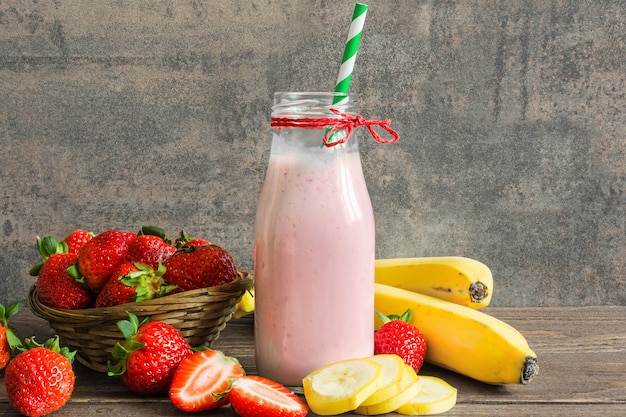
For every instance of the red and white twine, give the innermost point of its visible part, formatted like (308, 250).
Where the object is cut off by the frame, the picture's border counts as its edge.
(344, 122)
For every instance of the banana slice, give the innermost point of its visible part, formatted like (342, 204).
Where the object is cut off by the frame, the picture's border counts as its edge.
(395, 379)
(342, 386)
(393, 403)
(436, 396)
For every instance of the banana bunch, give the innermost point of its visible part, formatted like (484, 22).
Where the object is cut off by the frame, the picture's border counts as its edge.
(440, 294)
(460, 280)
(445, 295)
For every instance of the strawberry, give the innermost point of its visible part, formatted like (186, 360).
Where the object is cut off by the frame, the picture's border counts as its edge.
(193, 267)
(256, 396)
(5, 347)
(203, 379)
(149, 356)
(76, 239)
(397, 335)
(196, 242)
(40, 380)
(133, 282)
(150, 247)
(47, 247)
(8, 340)
(57, 288)
(101, 256)
(185, 240)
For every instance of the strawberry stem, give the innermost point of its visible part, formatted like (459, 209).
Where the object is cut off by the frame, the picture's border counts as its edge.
(152, 231)
(147, 282)
(47, 247)
(52, 344)
(5, 313)
(182, 239)
(406, 316)
(120, 351)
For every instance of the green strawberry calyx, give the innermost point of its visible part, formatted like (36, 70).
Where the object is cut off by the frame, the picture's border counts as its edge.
(52, 344)
(147, 282)
(191, 249)
(47, 247)
(406, 316)
(121, 351)
(182, 239)
(5, 313)
(154, 231)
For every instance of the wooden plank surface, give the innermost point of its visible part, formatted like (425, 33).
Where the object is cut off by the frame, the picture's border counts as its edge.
(581, 351)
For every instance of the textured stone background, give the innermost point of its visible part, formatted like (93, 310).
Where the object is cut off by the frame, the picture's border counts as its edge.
(511, 115)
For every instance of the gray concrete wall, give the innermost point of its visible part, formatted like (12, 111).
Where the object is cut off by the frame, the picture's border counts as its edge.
(115, 114)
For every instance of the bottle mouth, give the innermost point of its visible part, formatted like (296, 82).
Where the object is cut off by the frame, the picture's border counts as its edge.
(311, 104)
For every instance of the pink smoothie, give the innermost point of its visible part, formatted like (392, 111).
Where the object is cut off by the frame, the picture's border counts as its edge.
(314, 266)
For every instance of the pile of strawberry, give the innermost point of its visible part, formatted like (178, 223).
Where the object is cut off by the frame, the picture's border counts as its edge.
(156, 359)
(118, 267)
(153, 359)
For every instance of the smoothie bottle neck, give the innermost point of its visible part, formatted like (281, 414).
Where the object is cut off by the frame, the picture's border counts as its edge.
(309, 111)
(312, 104)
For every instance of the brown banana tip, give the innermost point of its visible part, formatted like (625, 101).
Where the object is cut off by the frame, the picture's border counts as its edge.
(530, 369)
(478, 291)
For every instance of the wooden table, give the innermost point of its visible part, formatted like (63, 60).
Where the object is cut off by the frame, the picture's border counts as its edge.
(581, 351)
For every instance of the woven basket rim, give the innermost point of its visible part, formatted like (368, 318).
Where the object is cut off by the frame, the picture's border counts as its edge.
(243, 282)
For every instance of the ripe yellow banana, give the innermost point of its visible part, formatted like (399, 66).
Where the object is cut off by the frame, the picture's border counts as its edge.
(245, 306)
(460, 280)
(461, 339)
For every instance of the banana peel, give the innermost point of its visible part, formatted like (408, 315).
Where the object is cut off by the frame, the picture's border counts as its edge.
(245, 306)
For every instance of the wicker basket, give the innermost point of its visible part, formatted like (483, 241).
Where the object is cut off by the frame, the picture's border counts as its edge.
(200, 315)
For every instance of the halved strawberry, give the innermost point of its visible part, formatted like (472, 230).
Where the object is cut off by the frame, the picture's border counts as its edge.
(256, 396)
(203, 379)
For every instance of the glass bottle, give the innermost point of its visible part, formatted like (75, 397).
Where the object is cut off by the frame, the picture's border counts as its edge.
(314, 246)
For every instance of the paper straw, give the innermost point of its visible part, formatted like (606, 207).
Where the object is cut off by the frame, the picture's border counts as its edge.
(349, 53)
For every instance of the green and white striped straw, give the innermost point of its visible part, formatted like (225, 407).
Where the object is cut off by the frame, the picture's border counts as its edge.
(349, 53)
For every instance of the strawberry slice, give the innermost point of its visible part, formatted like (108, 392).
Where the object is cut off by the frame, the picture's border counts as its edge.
(203, 379)
(256, 396)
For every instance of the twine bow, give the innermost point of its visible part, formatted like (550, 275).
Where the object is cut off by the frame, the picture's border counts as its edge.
(344, 122)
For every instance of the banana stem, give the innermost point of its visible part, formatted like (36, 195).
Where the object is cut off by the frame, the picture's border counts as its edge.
(529, 370)
(478, 291)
